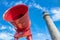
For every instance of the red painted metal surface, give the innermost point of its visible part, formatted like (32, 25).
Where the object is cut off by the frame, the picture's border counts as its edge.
(18, 16)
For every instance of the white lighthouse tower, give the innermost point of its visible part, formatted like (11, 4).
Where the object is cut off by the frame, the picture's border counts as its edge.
(55, 35)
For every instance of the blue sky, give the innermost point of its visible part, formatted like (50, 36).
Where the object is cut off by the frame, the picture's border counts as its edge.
(38, 25)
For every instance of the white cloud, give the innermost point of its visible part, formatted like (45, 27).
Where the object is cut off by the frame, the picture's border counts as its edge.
(20, 2)
(12, 29)
(5, 36)
(7, 29)
(38, 36)
(7, 4)
(41, 36)
(37, 6)
(9, 36)
(11, 4)
(2, 27)
(56, 12)
(31, 3)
